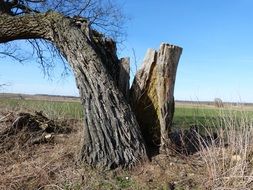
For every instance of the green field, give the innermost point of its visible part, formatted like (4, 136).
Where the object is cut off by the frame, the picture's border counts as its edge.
(185, 115)
(53, 109)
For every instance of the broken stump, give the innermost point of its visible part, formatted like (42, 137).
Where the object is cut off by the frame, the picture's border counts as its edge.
(152, 94)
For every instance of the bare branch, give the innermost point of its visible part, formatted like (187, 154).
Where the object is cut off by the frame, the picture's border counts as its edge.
(12, 51)
(85, 7)
(104, 16)
(135, 60)
(21, 9)
(11, 56)
(40, 47)
(16, 7)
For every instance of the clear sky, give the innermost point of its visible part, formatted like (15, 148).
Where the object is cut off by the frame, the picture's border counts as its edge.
(217, 41)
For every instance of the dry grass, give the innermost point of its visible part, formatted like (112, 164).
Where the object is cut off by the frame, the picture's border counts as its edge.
(226, 163)
(229, 159)
(38, 166)
(54, 165)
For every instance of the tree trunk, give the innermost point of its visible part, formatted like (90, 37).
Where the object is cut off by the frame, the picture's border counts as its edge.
(152, 94)
(111, 132)
(124, 76)
(167, 61)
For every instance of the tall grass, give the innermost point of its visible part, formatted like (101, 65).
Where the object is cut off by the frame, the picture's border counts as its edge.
(229, 159)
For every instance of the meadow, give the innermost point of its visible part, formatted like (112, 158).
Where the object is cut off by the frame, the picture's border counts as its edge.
(185, 114)
(224, 163)
(53, 109)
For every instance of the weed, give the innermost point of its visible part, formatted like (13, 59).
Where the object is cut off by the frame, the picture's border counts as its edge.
(228, 161)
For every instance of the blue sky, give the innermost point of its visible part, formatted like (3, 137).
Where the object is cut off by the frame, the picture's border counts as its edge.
(217, 41)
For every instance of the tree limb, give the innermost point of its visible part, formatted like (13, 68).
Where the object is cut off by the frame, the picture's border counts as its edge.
(35, 26)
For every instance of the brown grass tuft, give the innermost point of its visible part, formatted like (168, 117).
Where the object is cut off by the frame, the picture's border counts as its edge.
(228, 161)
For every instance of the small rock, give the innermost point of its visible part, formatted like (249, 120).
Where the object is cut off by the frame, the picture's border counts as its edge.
(48, 136)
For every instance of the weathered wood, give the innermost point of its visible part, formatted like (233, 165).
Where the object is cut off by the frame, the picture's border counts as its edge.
(124, 76)
(111, 135)
(144, 100)
(167, 62)
(152, 94)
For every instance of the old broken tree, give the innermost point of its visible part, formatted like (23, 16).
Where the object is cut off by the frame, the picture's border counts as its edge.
(111, 136)
(152, 94)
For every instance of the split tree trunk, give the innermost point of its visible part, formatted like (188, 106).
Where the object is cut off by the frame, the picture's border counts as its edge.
(111, 132)
(111, 136)
(152, 94)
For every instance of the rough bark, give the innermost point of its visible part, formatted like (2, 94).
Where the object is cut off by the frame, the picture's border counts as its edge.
(119, 69)
(152, 94)
(111, 133)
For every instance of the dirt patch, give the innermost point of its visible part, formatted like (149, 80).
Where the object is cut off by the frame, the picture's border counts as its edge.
(37, 152)
(26, 129)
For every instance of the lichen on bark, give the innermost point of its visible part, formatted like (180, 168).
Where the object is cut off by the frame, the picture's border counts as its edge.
(152, 94)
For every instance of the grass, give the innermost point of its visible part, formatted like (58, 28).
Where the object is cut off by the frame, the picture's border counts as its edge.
(224, 164)
(187, 116)
(184, 116)
(206, 116)
(54, 109)
(229, 160)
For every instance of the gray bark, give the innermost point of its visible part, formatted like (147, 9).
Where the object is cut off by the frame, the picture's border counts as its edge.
(111, 132)
(143, 99)
(167, 62)
(124, 76)
(152, 94)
